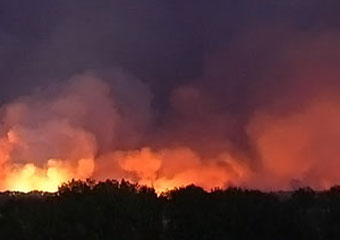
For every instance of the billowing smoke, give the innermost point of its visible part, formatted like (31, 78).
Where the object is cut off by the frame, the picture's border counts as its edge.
(82, 129)
(221, 94)
(57, 133)
(300, 148)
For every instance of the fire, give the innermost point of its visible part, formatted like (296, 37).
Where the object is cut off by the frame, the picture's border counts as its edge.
(26, 176)
(167, 169)
(145, 166)
(48, 140)
(30, 177)
(164, 169)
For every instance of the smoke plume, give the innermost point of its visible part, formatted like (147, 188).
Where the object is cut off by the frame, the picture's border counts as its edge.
(226, 93)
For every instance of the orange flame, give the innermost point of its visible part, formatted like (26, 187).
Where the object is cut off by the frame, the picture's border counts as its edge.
(43, 144)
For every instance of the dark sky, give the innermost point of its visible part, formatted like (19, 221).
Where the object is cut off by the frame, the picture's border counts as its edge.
(239, 54)
(164, 43)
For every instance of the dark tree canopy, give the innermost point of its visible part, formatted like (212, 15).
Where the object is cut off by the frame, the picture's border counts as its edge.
(122, 210)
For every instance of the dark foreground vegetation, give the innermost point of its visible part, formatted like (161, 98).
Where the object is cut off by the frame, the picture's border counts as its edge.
(121, 210)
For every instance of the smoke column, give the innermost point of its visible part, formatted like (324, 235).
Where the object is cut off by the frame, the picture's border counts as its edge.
(226, 93)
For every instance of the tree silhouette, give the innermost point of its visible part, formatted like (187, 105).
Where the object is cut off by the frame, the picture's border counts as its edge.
(123, 210)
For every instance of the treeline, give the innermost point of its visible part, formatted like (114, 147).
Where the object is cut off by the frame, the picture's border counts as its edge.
(126, 211)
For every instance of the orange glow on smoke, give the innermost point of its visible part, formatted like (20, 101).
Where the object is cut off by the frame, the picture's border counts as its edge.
(46, 140)
(164, 170)
(301, 146)
(46, 143)
(171, 168)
